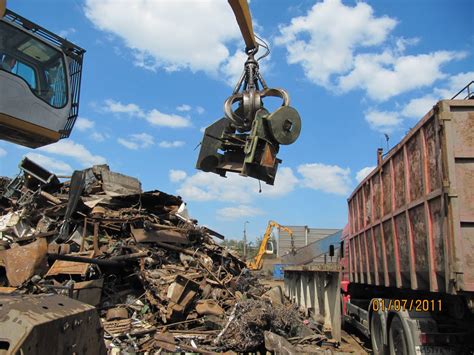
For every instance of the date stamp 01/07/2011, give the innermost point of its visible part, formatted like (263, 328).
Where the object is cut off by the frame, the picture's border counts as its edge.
(418, 305)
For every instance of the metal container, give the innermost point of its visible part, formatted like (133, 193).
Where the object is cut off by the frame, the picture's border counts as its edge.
(411, 221)
(278, 273)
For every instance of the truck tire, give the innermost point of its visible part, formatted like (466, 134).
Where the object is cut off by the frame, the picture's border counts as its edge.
(398, 341)
(376, 334)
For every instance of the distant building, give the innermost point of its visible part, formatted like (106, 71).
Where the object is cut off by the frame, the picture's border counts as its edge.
(302, 236)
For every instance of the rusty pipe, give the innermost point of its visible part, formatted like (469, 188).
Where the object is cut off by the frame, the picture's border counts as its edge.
(132, 256)
(50, 197)
(82, 259)
(113, 261)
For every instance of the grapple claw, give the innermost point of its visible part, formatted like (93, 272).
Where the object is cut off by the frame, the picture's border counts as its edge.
(247, 140)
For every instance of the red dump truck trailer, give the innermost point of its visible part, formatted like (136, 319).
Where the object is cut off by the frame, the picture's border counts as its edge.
(406, 274)
(410, 241)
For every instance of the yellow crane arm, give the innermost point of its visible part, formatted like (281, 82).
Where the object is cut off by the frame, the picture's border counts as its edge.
(244, 19)
(3, 7)
(257, 263)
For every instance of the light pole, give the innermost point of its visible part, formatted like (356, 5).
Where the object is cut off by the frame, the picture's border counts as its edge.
(245, 240)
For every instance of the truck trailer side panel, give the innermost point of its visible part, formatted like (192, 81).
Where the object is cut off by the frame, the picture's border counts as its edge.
(411, 221)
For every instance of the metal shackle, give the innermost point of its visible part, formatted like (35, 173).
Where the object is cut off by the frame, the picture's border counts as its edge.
(251, 103)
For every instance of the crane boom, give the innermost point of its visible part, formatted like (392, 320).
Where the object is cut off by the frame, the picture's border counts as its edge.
(257, 263)
(244, 19)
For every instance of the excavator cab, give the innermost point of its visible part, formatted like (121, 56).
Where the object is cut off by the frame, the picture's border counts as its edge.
(267, 245)
(40, 78)
(269, 249)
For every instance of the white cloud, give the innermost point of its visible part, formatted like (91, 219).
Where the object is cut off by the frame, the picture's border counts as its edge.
(327, 178)
(67, 32)
(177, 175)
(383, 121)
(401, 44)
(69, 148)
(454, 85)
(417, 108)
(362, 173)
(128, 143)
(3, 152)
(154, 116)
(83, 124)
(386, 75)
(197, 42)
(339, 48)
(183, 108)
(136, 141)
(97, 136)
(238, 212)
(118, 107)
(200, 110)
(324, 40)
(158, 118)
(145, 139)
(172, 144)
(233, 68)
(208, 187)
(285, 182)
(202, 129)
(54, 165)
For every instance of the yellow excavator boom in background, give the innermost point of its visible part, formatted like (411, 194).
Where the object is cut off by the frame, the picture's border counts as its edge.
(257, 263)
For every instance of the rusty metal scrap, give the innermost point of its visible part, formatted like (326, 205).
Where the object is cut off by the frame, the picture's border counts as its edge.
(157, 279)
(49, 324)
(22, 262)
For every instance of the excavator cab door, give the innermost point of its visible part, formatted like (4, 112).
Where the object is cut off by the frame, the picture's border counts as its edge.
(40, 75)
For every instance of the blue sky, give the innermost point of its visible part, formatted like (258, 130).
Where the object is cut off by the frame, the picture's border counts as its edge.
(156, 72)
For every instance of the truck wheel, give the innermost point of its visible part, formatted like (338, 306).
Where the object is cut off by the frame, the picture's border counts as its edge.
(397, 338)
(376, 334)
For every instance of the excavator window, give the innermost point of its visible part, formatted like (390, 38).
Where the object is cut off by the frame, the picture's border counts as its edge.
(38, 64)
(269, 247)
(21, 69)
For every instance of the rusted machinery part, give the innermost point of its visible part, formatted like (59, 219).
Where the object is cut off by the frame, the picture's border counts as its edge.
(98, 212)
(251, 101)
(116, 313)
(285, 125)
(26, 319)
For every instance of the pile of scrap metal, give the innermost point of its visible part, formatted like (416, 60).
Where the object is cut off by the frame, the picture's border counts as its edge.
(156, 278)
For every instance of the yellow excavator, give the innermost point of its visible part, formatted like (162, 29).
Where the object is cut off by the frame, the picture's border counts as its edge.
(40, 79)
(257, 263)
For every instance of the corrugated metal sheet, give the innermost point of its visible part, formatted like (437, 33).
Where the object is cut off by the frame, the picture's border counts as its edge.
(315, 234)
(302, 236)
(313, 250)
